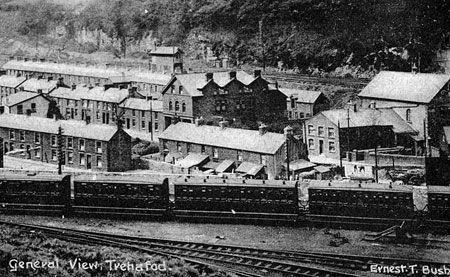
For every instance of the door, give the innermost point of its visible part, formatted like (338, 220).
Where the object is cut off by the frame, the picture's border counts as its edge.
(320, 147)
(88, 161)
(128, 123)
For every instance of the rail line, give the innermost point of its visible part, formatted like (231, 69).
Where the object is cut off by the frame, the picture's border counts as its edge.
(285, 262)
(189, 252)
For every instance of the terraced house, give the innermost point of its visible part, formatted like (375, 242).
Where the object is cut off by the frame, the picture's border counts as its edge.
(85, 146)
(255, 154)
(238, 97)
(9, 85)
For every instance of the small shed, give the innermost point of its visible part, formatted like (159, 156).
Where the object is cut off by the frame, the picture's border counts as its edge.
(323, 173)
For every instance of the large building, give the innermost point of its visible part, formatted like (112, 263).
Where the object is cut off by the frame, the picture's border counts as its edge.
(303, 104)
(85, 146)
(254, 153)
(421, 99)
(330, 134)
(235, 96)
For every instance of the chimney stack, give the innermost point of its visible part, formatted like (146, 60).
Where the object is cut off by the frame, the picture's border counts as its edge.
(257, 73)
(74, 87)
(199, 121)
(50, 78)
(11, 58)
(42, 60)
(262, 129)
(60, 82)
(209, 76)
(26, 59)
(39, 77)
(223, 124)
(373, 105)
(288, 131)
(232, 75)
(39, 91)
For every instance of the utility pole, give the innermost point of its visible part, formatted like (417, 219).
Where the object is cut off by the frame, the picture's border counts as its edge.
(340, 154)
(287, 155)
(376, 163)
(151, 117)
(61, 158)
(348, 128)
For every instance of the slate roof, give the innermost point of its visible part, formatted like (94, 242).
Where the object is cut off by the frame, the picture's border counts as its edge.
(301, 96)
(191, 160)
(369, 117)
(67, 93)
(224, 166)
(142, 104)
(165, 50)
(11, 81)
(47, 125)
(111, 95)
(89, 71)
(35, 84)
(299, 165)
(405, 86)
(249, 168)
(231, 138)
(20, 97)
(194, 83)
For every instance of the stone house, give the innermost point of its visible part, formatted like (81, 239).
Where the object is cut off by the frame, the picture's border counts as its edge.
(30, 103)
(303, 104)
(9, 85)
(166, 59)
(85, 146)
(236, 96)
(255, 153)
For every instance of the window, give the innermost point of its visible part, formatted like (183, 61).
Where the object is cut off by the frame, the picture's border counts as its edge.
(97, 115)
(54, 156)
(239, 156)
(172, 89)
(181, 90)
(408, 115)
(99, 162)
(321, 131)
(22, 135)
(19, 109)
(70, 157)
(156, 116)
(22, 147)
(296, 115)
(133, 122)
(33, 107)
(331, 133)
(82, 159)
(142, 113)
(170, 106)
(178, 147)
(37, 153)
(143, 124)
(302, 115)
(183, 107)
(215, 153)
(290, 114)
(12, 135)
(11, 146)
(263, 159)
(310, 129)
(188, 147)
(98, 146)
(177, 106)
(69, 142)
(331, 146)
(310, 143)
(133, 112)
(37, 138)
(156, 126)
(54, 141)
(203, 149)
(308, 115)
(82, 146)
(292, 103)
(99, 106)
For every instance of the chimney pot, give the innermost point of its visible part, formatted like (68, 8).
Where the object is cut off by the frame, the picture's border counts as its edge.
(199, 121)
(39, 91)
(49, 78)
(257, 73)
(26, 59)
(262, 129)
(288, 131)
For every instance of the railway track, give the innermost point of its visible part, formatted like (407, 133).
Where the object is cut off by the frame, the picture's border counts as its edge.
(294, 263)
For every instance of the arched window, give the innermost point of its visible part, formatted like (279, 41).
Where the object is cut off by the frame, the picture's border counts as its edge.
(408, 115)
(177, 106)
(183, 107)
(170, 106)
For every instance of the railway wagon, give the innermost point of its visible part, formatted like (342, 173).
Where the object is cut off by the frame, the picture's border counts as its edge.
(219, 199)
(439, 203)
(40, 194)
(128, 196)
(361, 200)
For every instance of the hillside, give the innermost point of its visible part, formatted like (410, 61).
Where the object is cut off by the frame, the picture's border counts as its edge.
(344, 36)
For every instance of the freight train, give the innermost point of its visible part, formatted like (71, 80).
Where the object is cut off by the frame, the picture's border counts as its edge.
(216, 198)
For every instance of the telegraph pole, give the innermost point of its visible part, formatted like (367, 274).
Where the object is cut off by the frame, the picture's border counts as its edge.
(61, 161)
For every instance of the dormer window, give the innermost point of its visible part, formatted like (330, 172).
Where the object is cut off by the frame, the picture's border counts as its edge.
(180, 91)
